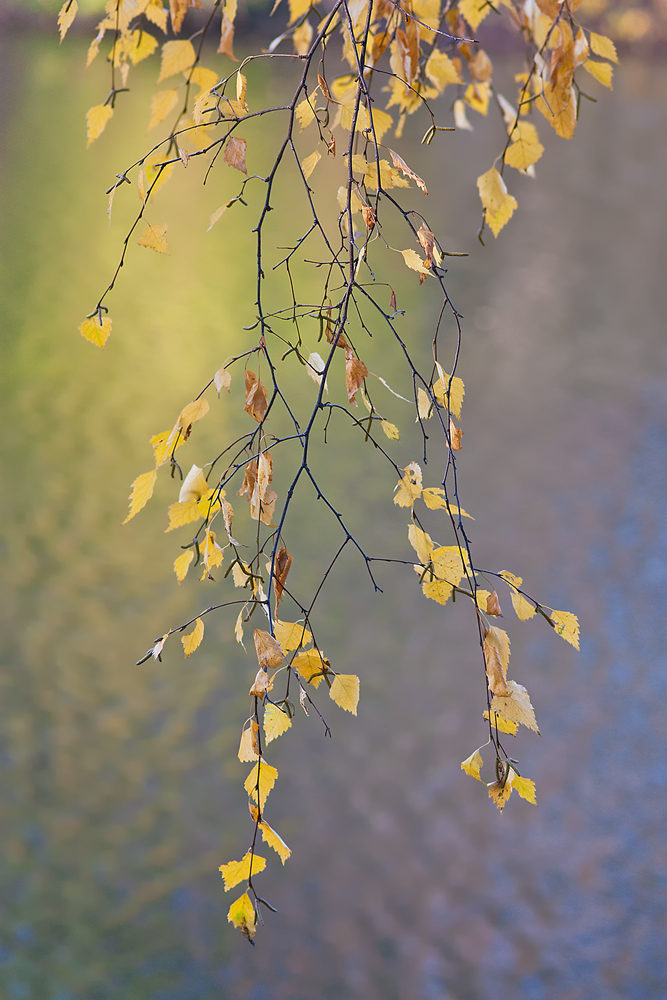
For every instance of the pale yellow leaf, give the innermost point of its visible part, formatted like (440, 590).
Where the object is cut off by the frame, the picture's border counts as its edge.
(96, 120)
(155, 238)
(194, 638)
(410, 486)
(449, 390)
(291, 635)
(302, 37)
(450, 563)
(601, 71)
(235, 153)
(304, 112)
(567, 625)
(142, 491)
(183, 513)
(477, 96)
(204, 78)
(382, 122)
(435, 498)
(525, 787)
(311, 665)
(242, 915)
(424, 405)
(176, 57)
(182, 564)
(194, 486)
(222, 380)
(391, 430)
(440, 70)
(156, 13)
(297, 8)
(499, 205)
(345, 692)
(270, 837)
(474, 11)
(500, 792)
(502, 725)
(249, 745)
(526, 147)
(522, 606)
(603, 46)
(309, 163)
(94, 331)
(499, 640)
(238, 628)
(414, 261)
(437, 590)
(421, 542)
(162, 103)
(192, 413)
(517, 707)
(473, 765)
(67, 14)
(141, 45)
(276, 722)
(460, 117)
(260, 781)
(239, 871)
(482, 598)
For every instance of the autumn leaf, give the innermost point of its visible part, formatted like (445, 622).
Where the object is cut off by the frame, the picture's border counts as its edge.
(516, 707)
(156, 13)
(261, 684)
(281, 569)
(435, 498)
(309, 163)
(603, 46)
(94, 331)
(311, 665)
(523, 608)
(440, 70)
(344, 691)
(493, 605)
(270, 837)
(414, 261)
(276, 722)
(96, 120)
(249, 745)
(355, 373)
(68, 12)
(437, 590)
(473, 765)
(155, 238)
(421, 542)
(194, 638)
(455, 436)
(304, 113)
(500, 792)
(500, 641)
(600, 71)
(269, 653)
(260, 781)
(477, 96)
(176, 57)
(181, 514)
(494, 670)
(410, 487)
(474, 11)
(460, 117)
(502, 725)
(391, 430)
(182, 564)
(291, 635)
(450, 563)
(222, 380)
(525, 788)
(526, 147)
(239, 871)
(256, 402)
(401, 165)
(242, 915)
(449, 389)
(161, 105)
(498, 204)
(234, 155)
(142, 491)
(192, 414)
(567, 626)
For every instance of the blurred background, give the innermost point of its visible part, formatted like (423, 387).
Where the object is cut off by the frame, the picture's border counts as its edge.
(121, 791)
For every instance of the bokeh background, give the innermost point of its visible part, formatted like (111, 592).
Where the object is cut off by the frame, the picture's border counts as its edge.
(121, 791)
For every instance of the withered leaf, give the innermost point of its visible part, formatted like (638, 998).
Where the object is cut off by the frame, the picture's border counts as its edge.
(234, 154)
(269, 651)
(256, 401)
(355, 373)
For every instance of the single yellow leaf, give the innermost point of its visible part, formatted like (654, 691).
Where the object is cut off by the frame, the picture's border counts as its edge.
(260, 781)
(516, 707)
(276, 722)
(525, 787)
(164, 444)
(460, 116)
(435, 498)
(182, 564)
(502, 725)
(311, 665)
(194, 638)
(441, 71)
(156, 13)
(477, 96)
(499, 219)
(239, 871)
(194, 486)
(450, 390)
(421, 542)
(500, 641)
(304, 112)
(176, 57)
(382, 122)
(526, 147)
(437, 590)
(249, 745)
(522, 606)
(96, 120)
(424, 405)
(270, 837)
(155, 238)
(450, 563)
(142, 491)
(601, 71)
(414, 261)
(500, 792)
(482, 598)
(94, 331)
(603, 46)
(141, 45)
(291, 635)
(499, 205)
(391, 430)
(238, 628)
(153, 175)
(560, 109)
(473, 765)
(344, 691)
(192, 413)
(222, 380)
(567, 625)
(204, 78)
(67, 14)
(410, 486)
(309, 164)
(242, 916)
(183, 513)
(474, 11)
(162, 103)
(297, 8)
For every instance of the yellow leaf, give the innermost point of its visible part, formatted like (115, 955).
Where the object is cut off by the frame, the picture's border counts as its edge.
(500, 792)
(391, 430)
(194, 638)
(502, 725)
(141, 45)
(238, 628)
(450, 563)
(526, 147)
(291, 635)
(155, 238)
(309, 164)
(516, 707)
(304, 112)
(452, 390)
(410, 486)
(474, 11)
(424, 405)
(525, 787)
(482, 598)
(176, 57)
(204, 78)
(401, 165)
(440, 70)
(302, 37)
(499, 219)
(260, 781)
(94, 331)
(297, 8)
(96, 120)
(421, 543)
(156, 13)
(276, 722)
(499, 640)
(152, 176)
(162, 103)
(142, 491)
(239, 871)
(192, 413)
(249, 745)
(382, 122)
(567, 625)
(242, 916)
(66, 16)
(261, 684)
(163, 444)
(414, 261)
(183, 513)
(477, 96)
(270, 837)
(522, 606)
(603, 46)
(492, 190)
(559, 109)
(182, 564)
(460, 117)
(437, 590)
(473, 765)
(211, 553)
(311, 665)
(601, 71)
(345, 692)
(194, 486)
(435, 498)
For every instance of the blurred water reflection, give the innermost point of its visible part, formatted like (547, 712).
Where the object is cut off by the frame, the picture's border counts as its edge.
(120, 786)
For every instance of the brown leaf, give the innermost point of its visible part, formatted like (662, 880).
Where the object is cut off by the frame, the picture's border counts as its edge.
(494, 670)
(480, 67)
(269, 650)
(226, 46)
(369, 216)
(234, 154)
(256, 402)
(249, 480)
(427, 240)
(331, 333)
(493, 605)
(281, 569)
(355, 373)
(261, 685)
(400, 163)
(392, 301)
(177, 9)
(325, 89)
(455, 435)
